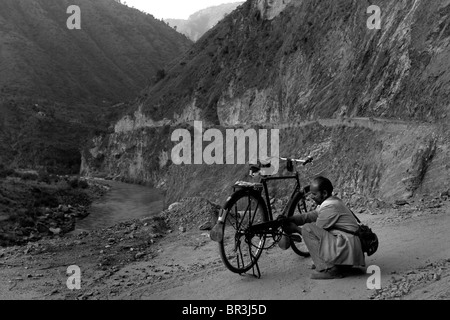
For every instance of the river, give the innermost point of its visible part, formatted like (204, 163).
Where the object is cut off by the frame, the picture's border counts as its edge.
(123, 202)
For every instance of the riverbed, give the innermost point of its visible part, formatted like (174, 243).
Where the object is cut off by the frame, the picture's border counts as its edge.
(123, 202)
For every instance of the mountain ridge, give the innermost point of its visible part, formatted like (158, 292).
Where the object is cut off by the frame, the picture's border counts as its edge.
(201, 21)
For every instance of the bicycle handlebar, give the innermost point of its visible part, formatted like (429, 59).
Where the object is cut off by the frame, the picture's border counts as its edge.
(309, 159)
(254, 169)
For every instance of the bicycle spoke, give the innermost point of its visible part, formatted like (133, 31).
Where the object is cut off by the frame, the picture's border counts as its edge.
(237, 243)
(253, 219)
(242, 221)
(236, 213)
(250, 251)
(242, 257)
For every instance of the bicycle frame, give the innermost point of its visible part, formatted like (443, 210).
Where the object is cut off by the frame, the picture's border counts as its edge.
(266, 190)
(271, 226)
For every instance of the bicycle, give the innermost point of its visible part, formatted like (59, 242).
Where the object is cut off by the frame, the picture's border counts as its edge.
(247, 220)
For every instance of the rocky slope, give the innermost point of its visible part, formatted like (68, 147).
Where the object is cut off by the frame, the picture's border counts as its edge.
(200, 22)
(34, 206)
(371, 105)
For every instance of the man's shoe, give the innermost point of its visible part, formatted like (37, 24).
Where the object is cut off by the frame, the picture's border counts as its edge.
(284, 243)
(328, 274)
(344, 268)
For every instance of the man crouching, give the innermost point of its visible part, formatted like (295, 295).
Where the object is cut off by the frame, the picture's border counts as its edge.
(331, 250)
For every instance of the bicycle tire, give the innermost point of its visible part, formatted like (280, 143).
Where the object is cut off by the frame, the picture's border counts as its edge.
(298, 206)
(237, 253)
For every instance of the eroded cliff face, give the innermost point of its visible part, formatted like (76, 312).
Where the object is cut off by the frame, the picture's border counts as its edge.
(137, 121)
(269, 9)
(291, 63)
(136, 156)
(363, 157)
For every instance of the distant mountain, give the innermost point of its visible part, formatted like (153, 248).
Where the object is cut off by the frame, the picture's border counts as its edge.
(201, 21)
(56, 84)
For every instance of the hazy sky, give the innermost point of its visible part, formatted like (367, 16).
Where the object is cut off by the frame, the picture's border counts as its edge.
(178, 9)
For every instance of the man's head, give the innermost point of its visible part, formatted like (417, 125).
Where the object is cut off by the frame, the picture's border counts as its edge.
(321, 189)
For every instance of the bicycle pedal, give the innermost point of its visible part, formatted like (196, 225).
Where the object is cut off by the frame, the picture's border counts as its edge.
(295, 237)
(216, 234)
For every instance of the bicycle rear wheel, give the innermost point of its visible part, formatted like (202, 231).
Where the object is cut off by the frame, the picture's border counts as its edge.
(239, 249)
(298, 206)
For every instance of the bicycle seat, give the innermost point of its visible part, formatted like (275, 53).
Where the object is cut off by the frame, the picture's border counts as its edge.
(261, 169)
(248, 185)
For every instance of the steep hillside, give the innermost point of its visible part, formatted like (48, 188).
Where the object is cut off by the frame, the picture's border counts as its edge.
(58, 85)
(40, 134)
(200, 22)
(112, 57)
(371, 105)
(315, 59)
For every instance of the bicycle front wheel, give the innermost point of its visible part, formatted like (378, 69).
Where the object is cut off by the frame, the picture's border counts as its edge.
(298, 206)
(240, 249)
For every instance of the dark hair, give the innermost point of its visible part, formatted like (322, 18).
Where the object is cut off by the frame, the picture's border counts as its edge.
(324, 184)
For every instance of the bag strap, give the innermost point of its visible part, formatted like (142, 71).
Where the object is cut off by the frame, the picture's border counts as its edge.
(359, 221)
(347, 231)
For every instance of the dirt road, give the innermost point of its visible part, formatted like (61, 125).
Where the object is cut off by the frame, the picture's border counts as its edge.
(133, 261)
(405, 245)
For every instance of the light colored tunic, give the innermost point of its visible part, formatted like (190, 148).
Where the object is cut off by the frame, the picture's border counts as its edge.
(337, 247)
